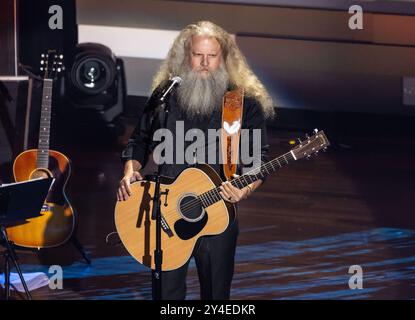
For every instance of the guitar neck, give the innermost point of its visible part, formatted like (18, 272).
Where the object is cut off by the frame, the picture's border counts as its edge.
(212, 196)
(44, 130)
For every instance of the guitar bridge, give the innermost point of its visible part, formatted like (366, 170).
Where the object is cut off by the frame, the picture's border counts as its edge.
(166, 228)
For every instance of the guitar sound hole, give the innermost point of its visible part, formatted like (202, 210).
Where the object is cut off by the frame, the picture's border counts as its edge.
(40, 173)
(191, 208)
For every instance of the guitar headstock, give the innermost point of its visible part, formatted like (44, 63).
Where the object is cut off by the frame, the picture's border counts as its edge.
(312, 145)
(51, 64)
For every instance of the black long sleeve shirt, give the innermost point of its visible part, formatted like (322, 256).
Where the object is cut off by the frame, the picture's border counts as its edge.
(141, 143)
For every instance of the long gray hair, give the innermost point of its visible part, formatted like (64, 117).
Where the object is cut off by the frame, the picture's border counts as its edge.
(240, 75)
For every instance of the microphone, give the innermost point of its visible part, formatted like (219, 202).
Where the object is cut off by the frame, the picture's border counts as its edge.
(172, 83)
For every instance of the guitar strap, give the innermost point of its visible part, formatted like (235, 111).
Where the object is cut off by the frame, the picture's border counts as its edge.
(232, 111)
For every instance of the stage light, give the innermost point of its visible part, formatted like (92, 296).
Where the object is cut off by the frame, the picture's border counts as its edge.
(95, 85)
(94, 68)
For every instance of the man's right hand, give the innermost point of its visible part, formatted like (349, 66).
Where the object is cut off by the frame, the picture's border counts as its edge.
(124, 190)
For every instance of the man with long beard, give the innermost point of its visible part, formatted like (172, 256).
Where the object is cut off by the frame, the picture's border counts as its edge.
(209, 62)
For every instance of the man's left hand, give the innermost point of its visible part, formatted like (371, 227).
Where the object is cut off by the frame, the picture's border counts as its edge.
(232, 194)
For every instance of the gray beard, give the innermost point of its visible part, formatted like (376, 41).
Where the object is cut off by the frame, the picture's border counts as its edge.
(198, 96)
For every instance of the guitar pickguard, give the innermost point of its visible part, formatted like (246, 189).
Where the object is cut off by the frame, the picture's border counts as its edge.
(186, 230)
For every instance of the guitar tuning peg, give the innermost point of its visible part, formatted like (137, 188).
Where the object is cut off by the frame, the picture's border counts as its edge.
(299, 141)
(307, 136)
(315, 130)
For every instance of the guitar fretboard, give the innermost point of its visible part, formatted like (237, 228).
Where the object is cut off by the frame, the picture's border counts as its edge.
(212, 196)
(44, 130)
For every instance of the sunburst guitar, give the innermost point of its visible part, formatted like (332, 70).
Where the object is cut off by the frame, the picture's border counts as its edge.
(191, 207)
(56, 223)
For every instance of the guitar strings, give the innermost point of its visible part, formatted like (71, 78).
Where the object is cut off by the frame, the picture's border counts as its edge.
(268, 165)
(193, 204)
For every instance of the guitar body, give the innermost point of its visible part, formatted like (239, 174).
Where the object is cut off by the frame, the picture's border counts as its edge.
(191, 207)
(188, 223)
(57, 222)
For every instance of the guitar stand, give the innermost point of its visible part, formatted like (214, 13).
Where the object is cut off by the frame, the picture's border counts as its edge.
(8, 255)
(80, 248)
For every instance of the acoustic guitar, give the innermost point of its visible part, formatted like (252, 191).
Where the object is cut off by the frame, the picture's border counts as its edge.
(56, 223)
(191, 207)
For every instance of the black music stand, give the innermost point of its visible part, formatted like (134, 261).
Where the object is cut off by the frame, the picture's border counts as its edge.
(18, 202)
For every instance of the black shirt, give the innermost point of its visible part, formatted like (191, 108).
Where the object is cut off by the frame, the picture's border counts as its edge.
(141, 143)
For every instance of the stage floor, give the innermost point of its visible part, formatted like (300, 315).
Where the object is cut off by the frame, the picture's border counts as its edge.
(299, 233)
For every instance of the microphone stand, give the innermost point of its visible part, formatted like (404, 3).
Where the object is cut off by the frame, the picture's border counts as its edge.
(156, 215)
